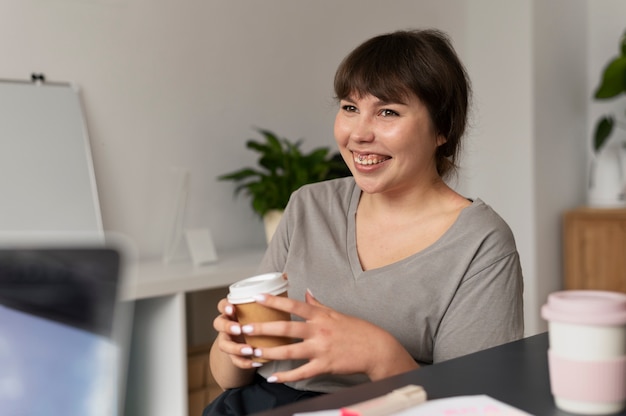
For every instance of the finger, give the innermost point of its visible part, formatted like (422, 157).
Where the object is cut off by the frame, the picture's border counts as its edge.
(310, 299)
(245, 363)
(223, 324)
(287, 329)
(240, 354)
(293, 351)
(305, 371)
(282, 303)
(226, 308)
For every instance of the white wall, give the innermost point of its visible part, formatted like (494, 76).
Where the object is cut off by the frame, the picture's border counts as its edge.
(182, 84)
(559, 151)
(559, 134)
(499, 153)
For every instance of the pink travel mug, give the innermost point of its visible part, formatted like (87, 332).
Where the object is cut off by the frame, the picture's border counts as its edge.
(587, 354)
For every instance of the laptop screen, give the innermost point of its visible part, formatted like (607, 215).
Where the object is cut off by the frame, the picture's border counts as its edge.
(57, 351)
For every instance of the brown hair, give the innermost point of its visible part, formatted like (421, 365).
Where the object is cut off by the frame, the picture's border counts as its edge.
(420, 62)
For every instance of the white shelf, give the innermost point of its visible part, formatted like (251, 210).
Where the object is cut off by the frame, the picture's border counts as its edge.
(157, 381)
(153, 278)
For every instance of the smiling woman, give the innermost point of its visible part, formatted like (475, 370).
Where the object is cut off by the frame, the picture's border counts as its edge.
(400, 68)
(394, 140)
(405, 270)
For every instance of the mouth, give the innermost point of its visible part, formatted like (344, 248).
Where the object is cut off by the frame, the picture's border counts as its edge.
(368, 159)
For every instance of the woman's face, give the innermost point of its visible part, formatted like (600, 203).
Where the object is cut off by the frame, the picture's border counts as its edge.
(389, 146)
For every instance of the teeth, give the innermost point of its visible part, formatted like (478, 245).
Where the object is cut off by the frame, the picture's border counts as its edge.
(369, 159)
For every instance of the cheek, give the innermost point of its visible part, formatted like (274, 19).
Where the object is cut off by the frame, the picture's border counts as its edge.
(340, 131)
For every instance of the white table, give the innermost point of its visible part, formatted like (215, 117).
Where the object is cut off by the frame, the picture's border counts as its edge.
(157, 380)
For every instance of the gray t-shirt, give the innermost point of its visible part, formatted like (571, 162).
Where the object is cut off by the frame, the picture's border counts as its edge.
(461, 294)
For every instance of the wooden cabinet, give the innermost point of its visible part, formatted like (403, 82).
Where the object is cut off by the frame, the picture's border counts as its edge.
(594, 244)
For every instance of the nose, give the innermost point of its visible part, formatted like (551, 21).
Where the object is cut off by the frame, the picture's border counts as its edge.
(363, 130)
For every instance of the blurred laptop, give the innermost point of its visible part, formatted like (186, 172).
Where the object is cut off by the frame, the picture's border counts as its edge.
(63, 332)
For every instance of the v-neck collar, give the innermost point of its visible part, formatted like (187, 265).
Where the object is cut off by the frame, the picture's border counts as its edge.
(353, 254)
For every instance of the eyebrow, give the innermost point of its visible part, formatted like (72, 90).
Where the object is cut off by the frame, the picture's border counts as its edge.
(386, 102)
(379, 102)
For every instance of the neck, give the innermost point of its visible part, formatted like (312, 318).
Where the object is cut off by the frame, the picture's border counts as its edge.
(423, 199)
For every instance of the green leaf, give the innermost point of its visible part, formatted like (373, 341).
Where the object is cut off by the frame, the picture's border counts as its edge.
(623, 44)
(604, 127)
(258, 146)
(272, 141)
(243, 187)
(613, 79)
(284, 168)
(239, 175)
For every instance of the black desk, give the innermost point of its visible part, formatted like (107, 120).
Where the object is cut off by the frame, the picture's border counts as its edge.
(514, 373)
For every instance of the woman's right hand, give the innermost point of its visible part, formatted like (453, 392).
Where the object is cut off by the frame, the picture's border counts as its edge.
(230, 340)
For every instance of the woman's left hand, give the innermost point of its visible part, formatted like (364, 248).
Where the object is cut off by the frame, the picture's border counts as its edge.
(333, 343)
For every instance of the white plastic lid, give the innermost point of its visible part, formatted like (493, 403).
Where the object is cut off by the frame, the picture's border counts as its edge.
(586, 307)
(244, 290)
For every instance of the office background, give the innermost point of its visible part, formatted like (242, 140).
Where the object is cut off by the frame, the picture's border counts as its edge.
(170, 85)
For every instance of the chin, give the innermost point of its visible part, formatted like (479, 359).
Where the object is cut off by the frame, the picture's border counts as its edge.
(367, 186)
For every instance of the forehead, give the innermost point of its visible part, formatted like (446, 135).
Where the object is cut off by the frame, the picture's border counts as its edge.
(408, 99)
(397, 93)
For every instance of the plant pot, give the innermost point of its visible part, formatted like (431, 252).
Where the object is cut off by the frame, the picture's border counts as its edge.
(607, 185)
(270, 221)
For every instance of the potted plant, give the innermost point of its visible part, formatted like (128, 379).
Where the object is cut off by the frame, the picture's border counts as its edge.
(282, 168)
(608, 180)
(612, 84)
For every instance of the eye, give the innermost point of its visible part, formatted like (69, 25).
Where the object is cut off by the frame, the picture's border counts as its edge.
(386, 112)
(349, 108)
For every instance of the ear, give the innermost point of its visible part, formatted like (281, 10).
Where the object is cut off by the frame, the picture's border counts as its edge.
(441, 140)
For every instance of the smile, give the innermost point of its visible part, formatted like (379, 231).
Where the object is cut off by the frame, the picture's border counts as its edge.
(365, 159)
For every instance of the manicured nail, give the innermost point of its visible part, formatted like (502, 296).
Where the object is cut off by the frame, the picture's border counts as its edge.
(259, 298)
(272, 379)
(246, 351)
(258, 352)
(246, 329)
(235, 329)
(229, 310)
(310, 293)
(257, 364)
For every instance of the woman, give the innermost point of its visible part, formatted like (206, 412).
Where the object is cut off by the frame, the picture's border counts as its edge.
(388, 269)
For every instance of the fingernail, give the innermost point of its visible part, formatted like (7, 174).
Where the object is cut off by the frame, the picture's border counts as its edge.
(257, 364)
(310, 293)
(259, 298)
(258, 352)
(246, 329)
(229, 310)
(235, 329)
(272, 379)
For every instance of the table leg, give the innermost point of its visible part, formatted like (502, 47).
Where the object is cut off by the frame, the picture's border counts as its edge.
(157, 379)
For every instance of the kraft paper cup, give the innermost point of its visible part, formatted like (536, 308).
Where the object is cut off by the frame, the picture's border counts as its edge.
(587, 354)
(249, 311)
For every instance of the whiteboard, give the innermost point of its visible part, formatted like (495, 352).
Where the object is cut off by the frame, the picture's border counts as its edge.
(47, 181)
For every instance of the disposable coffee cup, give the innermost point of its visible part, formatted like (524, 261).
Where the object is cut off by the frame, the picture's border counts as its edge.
(241, 295)
(587, 353)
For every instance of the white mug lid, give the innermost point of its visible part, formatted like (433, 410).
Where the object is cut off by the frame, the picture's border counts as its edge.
(244, 290)
(586, 307)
